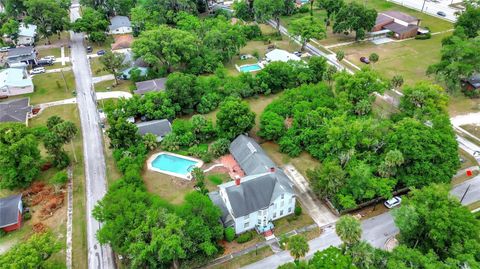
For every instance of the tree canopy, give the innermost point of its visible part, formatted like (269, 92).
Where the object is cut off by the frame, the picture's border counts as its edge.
(354, 17)
(234, 118)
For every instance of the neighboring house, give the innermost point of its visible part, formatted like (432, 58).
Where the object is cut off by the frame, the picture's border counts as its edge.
(122, 41)
(120, 25)
(26, 34)
(154, 85)
(473, 83)
(17, 110)
(26, 55)
(281, 55)
(11, 209)
(400, 24)
(263, 195)
(126, 73)
(15, 81)
(160, 128)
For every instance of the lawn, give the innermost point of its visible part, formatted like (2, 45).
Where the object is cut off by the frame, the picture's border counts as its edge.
(103, 46)
(409, 58)
(460, 104)
(246, 259)
(292, 222)
(55, 40)
(97, 67)
(108, 85)
(473, 129)
(52, 87)
(50, 51)
(303, 162)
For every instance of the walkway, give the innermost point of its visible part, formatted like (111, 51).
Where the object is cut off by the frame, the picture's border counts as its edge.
(102, 78)
(99, 96)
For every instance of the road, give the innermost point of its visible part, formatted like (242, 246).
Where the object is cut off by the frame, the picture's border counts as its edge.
(431, 7)
(99, 257)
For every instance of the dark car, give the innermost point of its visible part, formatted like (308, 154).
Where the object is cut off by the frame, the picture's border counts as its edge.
(44, 62)
(89, 49)
(101, 52)
(441, 13)
(364, 60)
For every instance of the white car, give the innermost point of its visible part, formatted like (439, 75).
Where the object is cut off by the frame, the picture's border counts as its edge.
(395, 201)
(52, 58)
(37, 70)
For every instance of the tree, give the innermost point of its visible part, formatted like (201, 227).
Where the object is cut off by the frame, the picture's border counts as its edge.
(234, 118)
(331, 258)
(219, 147)
(469, 20)
(307, 28)
(150, 141)
(32, 253)
(340, 55)
(19, 156)
(424, 101)
(166, 46)
(181, 89)
(113, 63)
(397, 81)
(373, 57)
(122, 134)
(318, 67)
(272, 126)
(418, 221)
(361, 85)
(49, 16)
(269, 9)
(242, 10)
(298, 246)
(11, 29)
(349, 230)
(327, 179)
(331, 6)
(60, 133)
(354, 17)
(94, 23)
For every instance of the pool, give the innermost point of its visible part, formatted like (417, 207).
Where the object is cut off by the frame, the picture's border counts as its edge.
(173, 164)
(250, 68)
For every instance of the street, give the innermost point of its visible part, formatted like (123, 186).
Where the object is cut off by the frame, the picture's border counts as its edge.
(99, 257)
(431, 7)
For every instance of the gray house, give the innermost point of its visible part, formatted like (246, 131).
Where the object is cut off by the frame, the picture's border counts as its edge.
(120, 25)
(16, 110)
(153, 85)
(262, 196)
(26, 55)
(160, 128)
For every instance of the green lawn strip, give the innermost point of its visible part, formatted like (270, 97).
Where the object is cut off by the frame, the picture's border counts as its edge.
(460, 104)
(468, 160)
(97, 67)
(109, 85)
(474, 205)
(103, 46)
(292, 222)
(218, 178)
(246, 259)
(472, 129)
(52, 87)
(50, 52)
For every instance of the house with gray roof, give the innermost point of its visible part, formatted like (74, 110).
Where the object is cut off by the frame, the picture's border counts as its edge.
(17, 110)
(160, 128)
(26, 55)
(153, 85)
(11, 209)
(120, 25)
(265, 194)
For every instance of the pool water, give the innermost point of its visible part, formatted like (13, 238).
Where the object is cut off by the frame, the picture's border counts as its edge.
(174, 164)
(250, 68)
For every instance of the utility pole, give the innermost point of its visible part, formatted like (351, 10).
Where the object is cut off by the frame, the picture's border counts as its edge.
(461, 200)
(423, 4)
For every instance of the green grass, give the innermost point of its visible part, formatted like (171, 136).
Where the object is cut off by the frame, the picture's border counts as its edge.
(218, 179)
(52, 87)
(474, 206)
(51, 51)
(103, 46)
(109, 85)
(292, 222)
(97, 67)
(55, 40)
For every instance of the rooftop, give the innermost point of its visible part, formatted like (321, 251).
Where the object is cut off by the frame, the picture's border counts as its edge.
(20, 51)
(9, 210)
(153, 85)
(29, 30)
(400, 16)
(15, 77)
(250, 156)
(157, 127)
(281, 55)
(15, 110)
(399, 28)
(119, 21)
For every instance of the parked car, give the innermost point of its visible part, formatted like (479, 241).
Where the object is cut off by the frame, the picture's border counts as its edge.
(395, 201)
(4, 49)
(51, 58)
(101, 52)
(43, 62)
(441, 13)
(298, 53)
(37, 70)
(89, 49)
(364, 60)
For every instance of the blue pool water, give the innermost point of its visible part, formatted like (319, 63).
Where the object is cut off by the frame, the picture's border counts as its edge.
(250, 68)
(174, 164)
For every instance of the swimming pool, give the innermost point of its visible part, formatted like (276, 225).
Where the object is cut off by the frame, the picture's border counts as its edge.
(250, 68)
(173, 164)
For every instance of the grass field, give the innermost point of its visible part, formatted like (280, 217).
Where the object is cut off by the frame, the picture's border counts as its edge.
(460, 104)
(47, 52)
(97, 67)
(52, 87)
(109, 85)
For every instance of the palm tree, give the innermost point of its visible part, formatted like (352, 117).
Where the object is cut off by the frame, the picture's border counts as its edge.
(298, 247)
(349, 230)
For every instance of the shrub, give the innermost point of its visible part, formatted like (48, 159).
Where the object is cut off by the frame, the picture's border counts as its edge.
(229, 234)
(219, 147)
(60, 178)
(27, 216)
(298, 210)
(252, 31)
(424, 36)
(215, 179)
(245, 237)
(283, 241)
(2, 233)
(304, 9)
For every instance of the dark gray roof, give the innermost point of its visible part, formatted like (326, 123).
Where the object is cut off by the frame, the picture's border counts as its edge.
(153, 85)
(400, 16)
(256, 192)
(226, 218)
(474, 80)
(15, 110)
(157, 127)
(250, 156)
(381, 18)
(119, 21)
(398, 28)
(20, 51)
(9, 210)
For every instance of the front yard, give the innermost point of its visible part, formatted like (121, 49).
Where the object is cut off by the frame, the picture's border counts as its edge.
(52, 87)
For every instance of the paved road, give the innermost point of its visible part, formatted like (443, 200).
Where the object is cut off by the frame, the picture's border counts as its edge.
(431, 8)
(99, 257)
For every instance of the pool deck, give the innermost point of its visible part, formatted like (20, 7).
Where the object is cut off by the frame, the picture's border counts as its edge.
(199, 163)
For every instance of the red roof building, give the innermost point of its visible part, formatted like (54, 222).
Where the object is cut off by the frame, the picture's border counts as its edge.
(11, 209)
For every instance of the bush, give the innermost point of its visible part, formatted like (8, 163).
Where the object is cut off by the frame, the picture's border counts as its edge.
(229, 234)
(60, 178)
(298, 210)
(219, 147)
(252, 31)
(27, 216)
(304, 9)
(245, 237)
(424, 36)
(283, 241)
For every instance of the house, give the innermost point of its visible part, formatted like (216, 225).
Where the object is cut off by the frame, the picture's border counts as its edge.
(263, 195)
(26, 55)
(120, 25)
(17, 110)
(153, 85)
(126, 73)
(281, 55)
(400, 24)
(160, 128)
(26, 34)
(472, 83)
(15, 81)
(11, 209)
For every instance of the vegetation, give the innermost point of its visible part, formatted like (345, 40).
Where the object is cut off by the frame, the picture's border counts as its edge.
(307, 28)
(113, 63)
(59, 133)
(354, 17)
(234, 118)
(94, 23)
(229, 234)
(298, 246)
(349, 230)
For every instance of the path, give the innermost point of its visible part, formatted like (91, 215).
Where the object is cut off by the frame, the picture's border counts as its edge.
(69, 217)
(320, 213)
(99, 95)
(99, 256)
(103, 78)
(56, 70)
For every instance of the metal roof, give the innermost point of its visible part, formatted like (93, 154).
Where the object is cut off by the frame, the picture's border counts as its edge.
(226, 218)
(9, 210)
(15, 110)
(399, 28)
(281, 55)
(29, 30)
(15, 77)
(250, 156)
(400, 16)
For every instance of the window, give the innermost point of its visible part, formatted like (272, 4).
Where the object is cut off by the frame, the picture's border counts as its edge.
(291, 199)
(259, 221)
(274, 206)
(283, 196)
(289, 209)
(282, 204)
(246, 225)
(281, 212)
(274, 214)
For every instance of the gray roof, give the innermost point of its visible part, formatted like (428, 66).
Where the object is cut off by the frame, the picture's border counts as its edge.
(226, 218)
(474, 80)
(256, 192)
(157, 127)
(400, 16)
(15, 110)
(250, 156)
(9, 210)
(382, 18)
(153, 85)
(398, 28)
(20, 51)
(119, 21)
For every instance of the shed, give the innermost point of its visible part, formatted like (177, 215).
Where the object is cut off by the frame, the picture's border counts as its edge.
(11, 209)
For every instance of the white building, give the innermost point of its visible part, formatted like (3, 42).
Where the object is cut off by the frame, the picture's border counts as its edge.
(120, 25)
(26, 34)
(15, 81)
(265, 194)
(281, 55)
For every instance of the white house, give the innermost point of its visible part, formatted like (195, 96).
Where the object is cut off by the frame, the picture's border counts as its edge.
(281, 55)
(262, 196)
(120, 25)
(15, 81)
(26, 34)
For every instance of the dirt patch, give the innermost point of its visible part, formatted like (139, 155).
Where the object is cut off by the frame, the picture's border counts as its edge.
(44, 200)
(39, 228)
